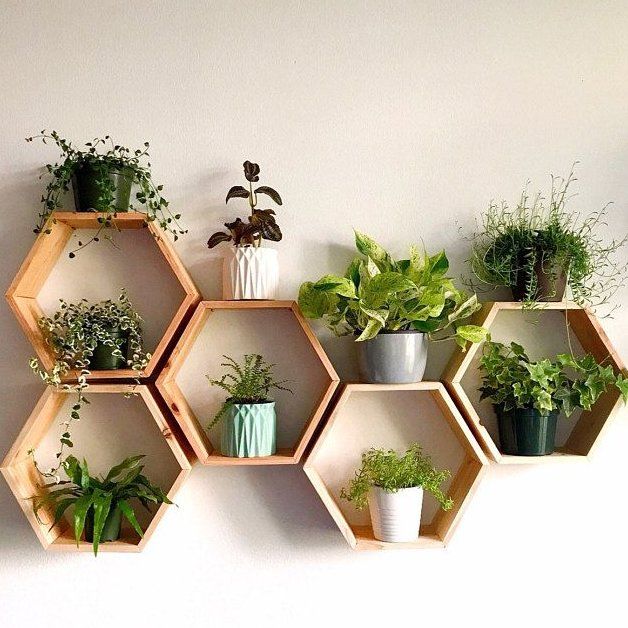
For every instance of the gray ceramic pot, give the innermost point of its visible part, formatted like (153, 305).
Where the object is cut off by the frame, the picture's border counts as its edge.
(397, 357)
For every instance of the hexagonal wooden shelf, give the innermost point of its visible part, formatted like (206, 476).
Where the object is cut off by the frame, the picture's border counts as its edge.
(44, 254)
(590, 424)
(393, 416)
(25, 481)
(284, 332)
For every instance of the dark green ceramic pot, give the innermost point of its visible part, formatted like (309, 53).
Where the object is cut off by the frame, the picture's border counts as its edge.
(525, 432)
(87, 195)
(103, 358)
(111, 530)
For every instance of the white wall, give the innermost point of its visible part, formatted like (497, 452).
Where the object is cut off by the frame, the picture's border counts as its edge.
(403, 119)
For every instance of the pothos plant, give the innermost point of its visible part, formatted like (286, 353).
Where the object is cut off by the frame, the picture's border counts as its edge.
(261, 223)
(378, 294)
(392, 472)
(511, 380)
(249, 382)
(73, 333)
(95, 497)
(103, 156)
(512, 245)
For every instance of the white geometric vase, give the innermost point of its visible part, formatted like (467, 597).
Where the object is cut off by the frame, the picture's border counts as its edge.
(396, 517)
(250, 272)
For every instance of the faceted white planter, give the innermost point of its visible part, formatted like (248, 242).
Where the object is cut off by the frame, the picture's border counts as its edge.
(250, 272)
(396, 517)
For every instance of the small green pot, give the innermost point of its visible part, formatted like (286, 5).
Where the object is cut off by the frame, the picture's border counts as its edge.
(87, 195)
(525, 432)
(249, 430)
(103, 358)
(111, 530)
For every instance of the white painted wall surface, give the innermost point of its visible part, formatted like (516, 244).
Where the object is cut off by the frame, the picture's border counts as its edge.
(403, 119)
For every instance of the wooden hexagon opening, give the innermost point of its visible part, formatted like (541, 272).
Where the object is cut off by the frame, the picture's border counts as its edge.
(546, 331)
(277, 331)
(113, 427)
(392, 416)
(140, 259)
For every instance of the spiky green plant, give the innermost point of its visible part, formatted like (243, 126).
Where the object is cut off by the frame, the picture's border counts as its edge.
(392, 472)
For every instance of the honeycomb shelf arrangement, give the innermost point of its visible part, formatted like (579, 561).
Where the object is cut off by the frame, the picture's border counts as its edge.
(393, 416)
(461, 374)
(274, 329)
(45, 253)
(25, 481)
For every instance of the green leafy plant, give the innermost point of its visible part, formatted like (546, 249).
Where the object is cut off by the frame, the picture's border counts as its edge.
(392, 472)
(261, 224)
(249, 382)
(103, 156)
(73, 333)
(512, 246)
(378, 294)
(98, 496)
(511, 380)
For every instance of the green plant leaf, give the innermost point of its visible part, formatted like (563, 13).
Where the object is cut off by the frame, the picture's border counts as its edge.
(472, 333)
(368, 247)
(81, 506)
(237, 191)
(315, 303)
(101, 506)
(336, 285)
(129, 514)
(371, 330)
(439, 264)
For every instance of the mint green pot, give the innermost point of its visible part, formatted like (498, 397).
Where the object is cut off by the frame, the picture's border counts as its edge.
(249, 430)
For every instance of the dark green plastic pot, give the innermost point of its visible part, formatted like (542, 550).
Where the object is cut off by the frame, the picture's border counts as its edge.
(87, 194)
(103, 358)
(550, 283)
(525, 432)
(111, 530)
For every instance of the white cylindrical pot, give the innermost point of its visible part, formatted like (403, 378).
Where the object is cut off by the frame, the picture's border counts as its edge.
(250, 272)
(396, 517)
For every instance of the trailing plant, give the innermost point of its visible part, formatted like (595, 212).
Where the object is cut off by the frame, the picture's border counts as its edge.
(378, 294)
(96, 497)
(73, 334)
(511, 380)
(388, 470)
(103, 157)
(261, 223)
(512, 245)
(249, 382)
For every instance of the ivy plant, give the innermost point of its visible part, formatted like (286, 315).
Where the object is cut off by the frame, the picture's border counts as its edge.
(261, 223)
(511, 380)
(103, 156)
(249, 382)
(392, 472)
(73, 333)
(97, 496)
(511, 244)
(378, 294)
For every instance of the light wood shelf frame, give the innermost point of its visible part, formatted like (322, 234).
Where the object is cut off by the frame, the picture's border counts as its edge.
(183, 413)
(44, 254)
(24, 480)
(591, 424)
(463, 485)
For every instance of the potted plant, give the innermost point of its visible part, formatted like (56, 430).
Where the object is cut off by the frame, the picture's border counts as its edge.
(392, 307)
(94, 336)
(249, 420)
(101, 176)
(249, 270)
(392, 485)
(100, 503)
(528, 396)
(541, 246)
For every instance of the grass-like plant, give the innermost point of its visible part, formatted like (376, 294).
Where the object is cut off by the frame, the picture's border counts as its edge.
(249, 382)
(103, 156)
(73, 333)
(261, 223)
(511, 247)
(511, 380)
(95, 497)
(392, 472)
(378, 294)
